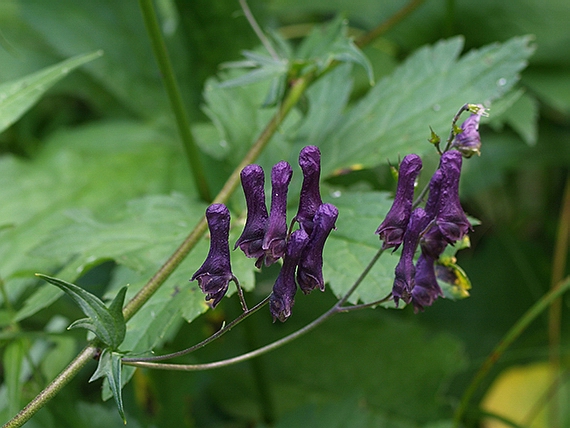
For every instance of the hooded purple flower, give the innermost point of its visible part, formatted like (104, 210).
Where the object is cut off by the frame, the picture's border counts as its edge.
(274, 241)
(310, 198)
(283, 297)
(426, 289)
(451, 219)
(432, 241)
(468, 141)
(310, 270)
(251, 239)
(216, 272)
(405, 271)
(392, 229)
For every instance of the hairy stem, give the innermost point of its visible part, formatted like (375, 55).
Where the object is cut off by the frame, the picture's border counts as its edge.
(530, 315)
(165, 65)
(53, 388)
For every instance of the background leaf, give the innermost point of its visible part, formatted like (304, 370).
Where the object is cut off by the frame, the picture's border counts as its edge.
(18, 96)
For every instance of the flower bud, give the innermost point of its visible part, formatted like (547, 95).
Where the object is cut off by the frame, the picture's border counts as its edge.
(274, 241)
(392, 229)
(251, 239)
(468, 141)
(283, 297)
(310, 198)
(215, 273)
(310, 270)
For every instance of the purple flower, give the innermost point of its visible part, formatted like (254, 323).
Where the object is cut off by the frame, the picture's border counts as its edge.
(392, 229)
(251, 239)
(283, 297)
(432, 241)
(310, 198)
(426, 289)
(216, 272)
(274, 241)
(468, 141)
(405, 271)
(451, 219)
(310, 270)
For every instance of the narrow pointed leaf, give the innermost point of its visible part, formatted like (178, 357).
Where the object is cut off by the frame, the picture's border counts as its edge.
(18, 96)
(108, 326)
(110, 367)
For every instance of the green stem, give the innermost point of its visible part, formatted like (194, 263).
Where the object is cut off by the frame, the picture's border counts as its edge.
(337, 308)
(515, 331)
(164, 64)
(52, 389)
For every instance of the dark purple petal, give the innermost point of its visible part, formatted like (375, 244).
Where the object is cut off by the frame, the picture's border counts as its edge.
(310, 270)
(274, 241)
(216, 272)
(283, 297)
(426, 289)
(432, 203)
(451, 218)
(405, 271)
(251, 239)
(310, 198)
(468, 141)
(392, 229)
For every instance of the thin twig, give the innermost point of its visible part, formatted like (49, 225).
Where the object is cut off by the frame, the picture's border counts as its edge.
(258, 31)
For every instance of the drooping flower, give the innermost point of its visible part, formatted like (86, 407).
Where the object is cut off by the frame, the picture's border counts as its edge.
(216, 272)
(405, 271)
(283, 297)
(274, 241)
(251, 239)
(310, 270)
(310, 198)
(426, 289)
(392, 229)
(468, 141)
(451, 219)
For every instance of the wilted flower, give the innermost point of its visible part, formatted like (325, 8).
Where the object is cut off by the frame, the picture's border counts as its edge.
(310, 198)
(283, 297)
(468, 141)
(310, 270)
(216, 272)
(251, 239)
(392, 229)
(426, 289)
(274, 241)
(451, 219)
(405, 271)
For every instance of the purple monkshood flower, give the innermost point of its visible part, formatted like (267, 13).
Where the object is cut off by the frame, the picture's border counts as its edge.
(405, 271)
(251, 239)
(310, 270)
(283, 297)
(274, 241)
(426, 289)
(216, 272)
(392, 229)
(432, 241)
(451, 219)
(468, 141)
(310, 198)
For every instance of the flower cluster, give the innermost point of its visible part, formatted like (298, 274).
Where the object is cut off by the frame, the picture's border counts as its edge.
(441, 222)
(267, 238)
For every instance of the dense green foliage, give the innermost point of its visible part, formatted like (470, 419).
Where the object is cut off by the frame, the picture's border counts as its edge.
(96, 190)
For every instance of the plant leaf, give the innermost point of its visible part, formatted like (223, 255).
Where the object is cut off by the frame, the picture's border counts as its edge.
(108, 324)
(110, 367)
(18, 96)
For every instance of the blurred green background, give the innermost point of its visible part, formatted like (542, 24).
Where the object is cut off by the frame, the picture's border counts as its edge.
(379, 367)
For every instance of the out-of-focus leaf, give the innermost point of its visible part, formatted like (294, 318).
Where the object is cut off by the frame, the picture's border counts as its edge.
(551, 86)
(331, 43)
(13, 359)
(17, 97)
(107, 323)
(427, 90)
(110, 367)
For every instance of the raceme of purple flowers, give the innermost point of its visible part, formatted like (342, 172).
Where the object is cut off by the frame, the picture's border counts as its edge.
(441, 222)
(267, 238)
